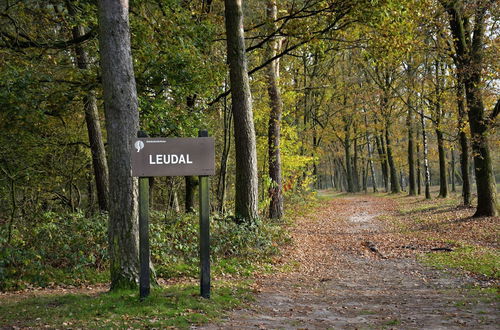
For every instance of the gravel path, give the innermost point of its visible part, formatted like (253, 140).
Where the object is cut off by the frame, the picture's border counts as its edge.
(342, 283)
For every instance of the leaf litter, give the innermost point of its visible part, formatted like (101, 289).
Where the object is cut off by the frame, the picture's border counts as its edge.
(354, 266)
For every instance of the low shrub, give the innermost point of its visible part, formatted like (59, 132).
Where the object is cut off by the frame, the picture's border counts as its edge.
(72, 248)
(45, 248)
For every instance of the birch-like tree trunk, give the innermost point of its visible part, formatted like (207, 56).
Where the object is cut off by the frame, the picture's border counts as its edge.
(427, 174)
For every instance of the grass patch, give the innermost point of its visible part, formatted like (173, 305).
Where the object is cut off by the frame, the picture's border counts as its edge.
(175, 306)
(477, 260)
(424, 206)
(393, 322)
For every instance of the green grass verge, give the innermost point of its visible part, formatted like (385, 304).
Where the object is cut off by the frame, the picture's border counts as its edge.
(177, 306)
(482, 261)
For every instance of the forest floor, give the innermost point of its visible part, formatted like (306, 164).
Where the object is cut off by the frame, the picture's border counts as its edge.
(357, 266)
(354, 262)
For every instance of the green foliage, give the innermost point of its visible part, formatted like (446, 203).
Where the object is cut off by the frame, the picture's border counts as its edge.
(72, 248)
(62, 248)
(234, 247)
(177, 306)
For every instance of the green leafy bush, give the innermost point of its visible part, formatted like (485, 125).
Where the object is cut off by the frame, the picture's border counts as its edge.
(174, 244)
(45, 248)
(72, 248)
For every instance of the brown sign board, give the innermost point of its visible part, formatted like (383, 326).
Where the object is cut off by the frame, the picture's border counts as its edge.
(173, 156)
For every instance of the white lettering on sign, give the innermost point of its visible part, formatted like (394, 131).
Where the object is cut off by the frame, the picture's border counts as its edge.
(169, 159)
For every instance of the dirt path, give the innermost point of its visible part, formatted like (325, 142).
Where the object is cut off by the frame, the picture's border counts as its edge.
(342, 283)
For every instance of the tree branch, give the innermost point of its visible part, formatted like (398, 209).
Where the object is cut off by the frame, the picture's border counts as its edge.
(16, 43)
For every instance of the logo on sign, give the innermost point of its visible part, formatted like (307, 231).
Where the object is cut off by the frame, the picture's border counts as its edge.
(139, 145)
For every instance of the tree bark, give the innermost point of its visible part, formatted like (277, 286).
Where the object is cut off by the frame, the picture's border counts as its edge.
(120, 105)
(348, 164)
(411, 155)
(383, 160)
(453, 174)
(443, 180)
(355, 167)
(427, 175)
(464, 144)
(276, 105)
(395, 188)
(94, 131)
(438, 113)
(221, 184)
(419, 174)
(191, 182)
(246, 185)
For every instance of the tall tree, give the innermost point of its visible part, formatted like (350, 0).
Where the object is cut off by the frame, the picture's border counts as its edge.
(468, 28)
(96, 141)
(276, 104)
(122, 122)
(246, 185)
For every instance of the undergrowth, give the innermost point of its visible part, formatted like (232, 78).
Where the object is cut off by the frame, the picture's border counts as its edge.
(54, 249)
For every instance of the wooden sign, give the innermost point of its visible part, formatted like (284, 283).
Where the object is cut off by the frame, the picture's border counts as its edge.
(173, 156)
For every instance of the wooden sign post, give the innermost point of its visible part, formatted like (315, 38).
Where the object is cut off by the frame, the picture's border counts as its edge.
(144, 253)
(204, 233)
(173, 157)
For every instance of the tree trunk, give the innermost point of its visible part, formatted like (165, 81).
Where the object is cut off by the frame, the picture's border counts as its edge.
(464, 144)
(411, 155)
(427, 175)
(453, 174)
(93, 124)
(120, 105)
(370, 161)
(383, 161)
(152, 182)
(370, 155)
(221, 184)
(443, 180)
(419, 174)
(246, 185)
(395, 188)
(483, 166)
(355, 169)
(276, 105)
(191, 182)
(348, 165)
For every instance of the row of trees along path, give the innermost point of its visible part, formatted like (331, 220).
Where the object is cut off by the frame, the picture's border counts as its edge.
(337, 84)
